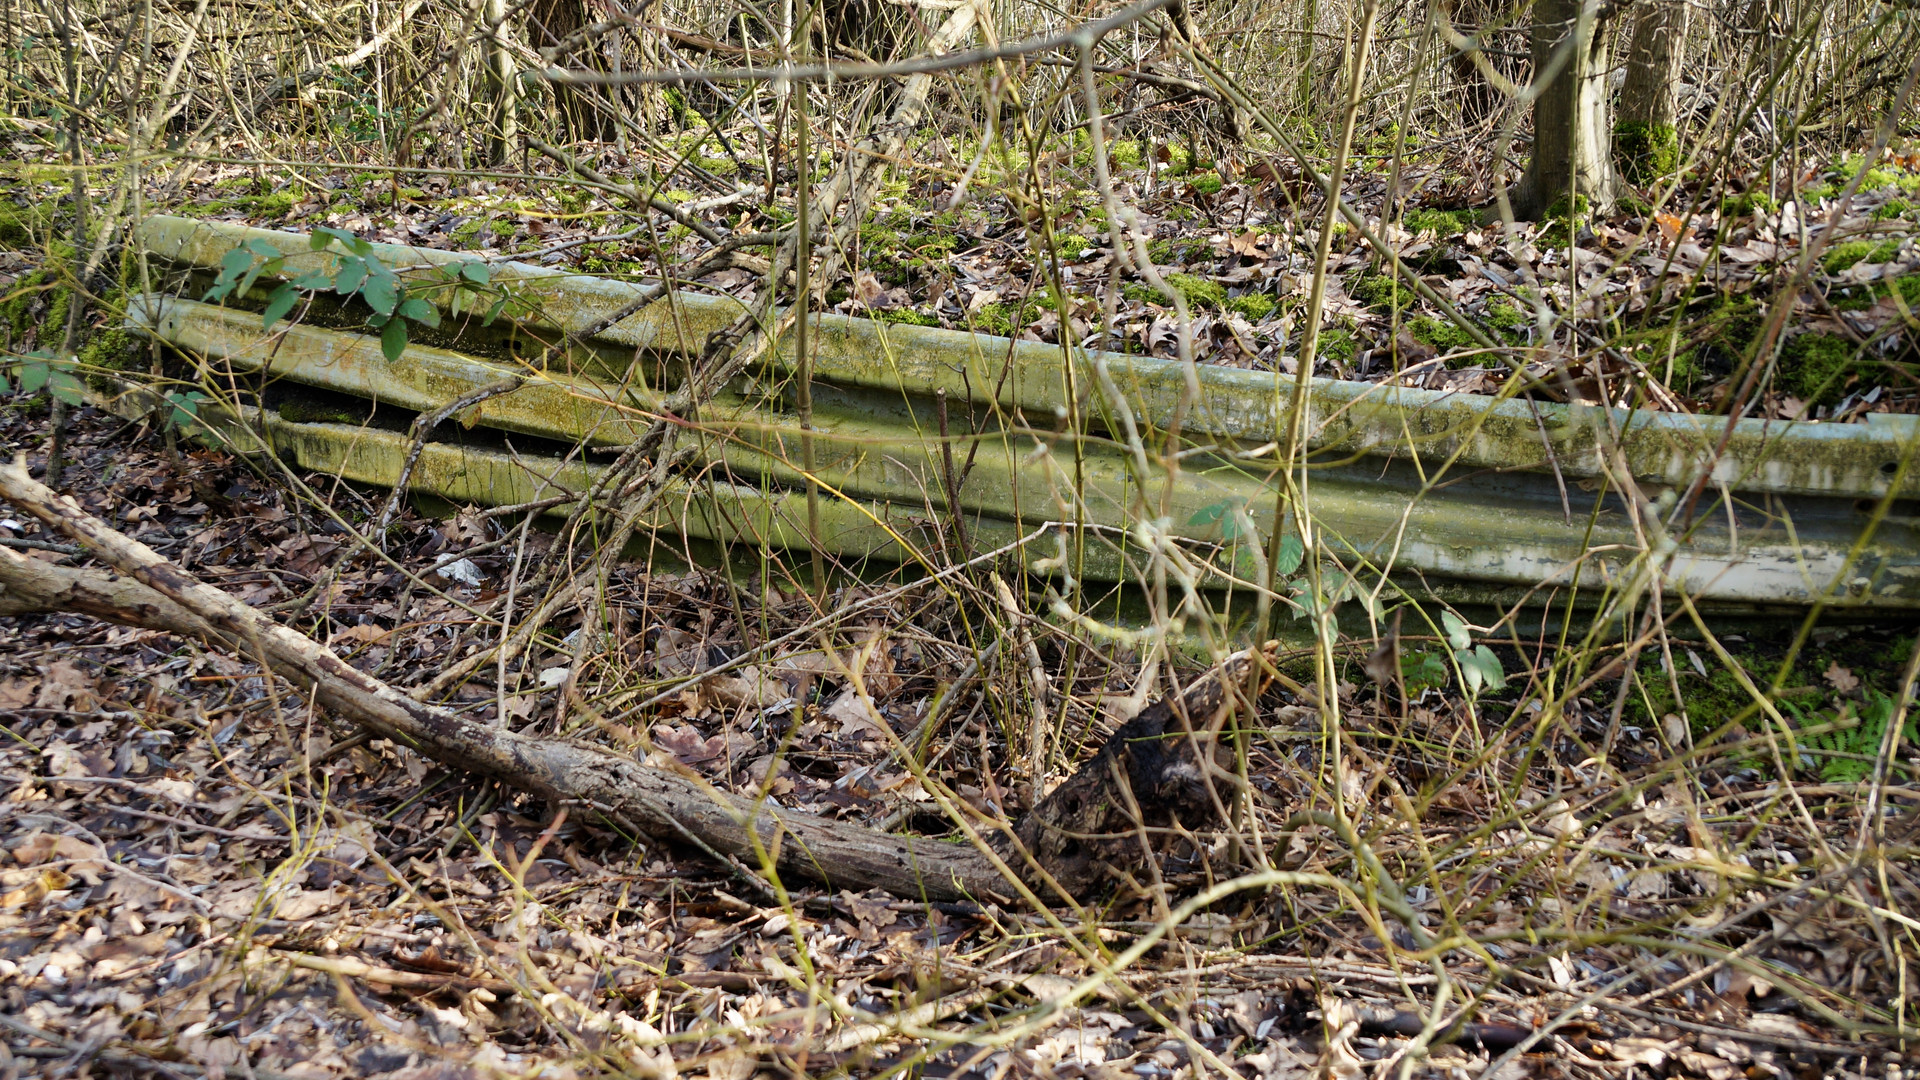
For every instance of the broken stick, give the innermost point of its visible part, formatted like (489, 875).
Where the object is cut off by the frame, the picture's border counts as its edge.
(1161, 763)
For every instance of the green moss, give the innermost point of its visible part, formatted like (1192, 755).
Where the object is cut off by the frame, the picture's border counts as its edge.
(1893, 208)
(1338, 346)
(111, 350)
(1382, 293)
(1842, 257)
(1747, 203)
(24, 225)
(1440, 334)
(1199, 292)
(1255, 306)
(1818, 368)
(279, 202)
(1632, 205)
(1443, 224)
(1731, 327)
(905, 315)
(1506, 318)
(1124, 152)
(1646, 151)
(1861, 297)
(467, 233)
(1072, 245)
(1207, 183)
(1880, 176)
(1179, 160)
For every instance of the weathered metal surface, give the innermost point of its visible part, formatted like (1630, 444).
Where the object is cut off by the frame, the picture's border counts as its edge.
(1780, 524)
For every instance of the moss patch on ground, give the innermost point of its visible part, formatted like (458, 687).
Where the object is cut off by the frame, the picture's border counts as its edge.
(1843, 257)
(1820, 368)
(1255, 306)
(1443, 224)
(1382, 293)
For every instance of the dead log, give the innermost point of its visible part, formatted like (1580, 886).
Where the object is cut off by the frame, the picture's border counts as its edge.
(1157, 768)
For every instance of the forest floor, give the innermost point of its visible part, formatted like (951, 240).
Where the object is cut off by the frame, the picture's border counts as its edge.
(205, 876)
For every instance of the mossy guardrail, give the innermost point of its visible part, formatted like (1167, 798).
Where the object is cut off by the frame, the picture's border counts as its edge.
(1489, 495)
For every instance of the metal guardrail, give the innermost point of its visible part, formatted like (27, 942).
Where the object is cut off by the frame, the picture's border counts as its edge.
(1473, 496)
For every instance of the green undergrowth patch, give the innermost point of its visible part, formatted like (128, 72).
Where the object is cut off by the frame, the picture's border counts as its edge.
(1843, 257)
(1382, 292)
(904, 315)
(1443, 224)
(1255, 306)
(1747, 204)
(1820, 368)
(1836, 698)
(1861, 297)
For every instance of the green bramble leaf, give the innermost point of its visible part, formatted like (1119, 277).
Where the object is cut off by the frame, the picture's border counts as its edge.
(66, 386)
(279, 304)
(420, 311)
(380, 294)
(476, 271)
(393, 339)
(1292, 552)
(347, 281)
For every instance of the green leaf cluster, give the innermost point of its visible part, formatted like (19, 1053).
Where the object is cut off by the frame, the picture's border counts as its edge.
(356, 270)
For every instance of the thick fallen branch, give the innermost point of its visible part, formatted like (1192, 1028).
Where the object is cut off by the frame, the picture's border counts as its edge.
(1157, 767)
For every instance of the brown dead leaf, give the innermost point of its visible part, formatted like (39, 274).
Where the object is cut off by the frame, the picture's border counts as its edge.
(34, 890)
(1842, 679)
(65, 685)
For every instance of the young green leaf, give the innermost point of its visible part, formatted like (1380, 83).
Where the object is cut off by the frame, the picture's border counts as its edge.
(476, 271)
(1456, 631)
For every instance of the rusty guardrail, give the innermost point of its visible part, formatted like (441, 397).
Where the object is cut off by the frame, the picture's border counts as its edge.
(1474, 496)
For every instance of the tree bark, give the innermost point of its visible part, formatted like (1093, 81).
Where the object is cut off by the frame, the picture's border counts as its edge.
(1156, 769)
(1572, 162)
(503, 126)
(1645, 139)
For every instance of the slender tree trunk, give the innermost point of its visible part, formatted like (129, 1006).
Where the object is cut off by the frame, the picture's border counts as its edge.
(1645, 140)
(503, 128)
(1571, 160)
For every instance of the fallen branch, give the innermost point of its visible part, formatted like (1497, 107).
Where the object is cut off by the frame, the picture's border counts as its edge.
(1162, 762)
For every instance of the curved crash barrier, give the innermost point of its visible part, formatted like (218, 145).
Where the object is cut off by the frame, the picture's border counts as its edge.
(1478, 496)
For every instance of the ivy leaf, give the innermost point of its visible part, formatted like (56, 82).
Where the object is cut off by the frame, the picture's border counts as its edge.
(380, 293)
(279, 304)
(1292, 552)
(393, 339)
(476, 271)
(420, 311)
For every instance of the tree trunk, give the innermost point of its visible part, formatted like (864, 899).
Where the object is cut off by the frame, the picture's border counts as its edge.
(503, 126)
(1646, 142)
(560, 33)
(1572, 168)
